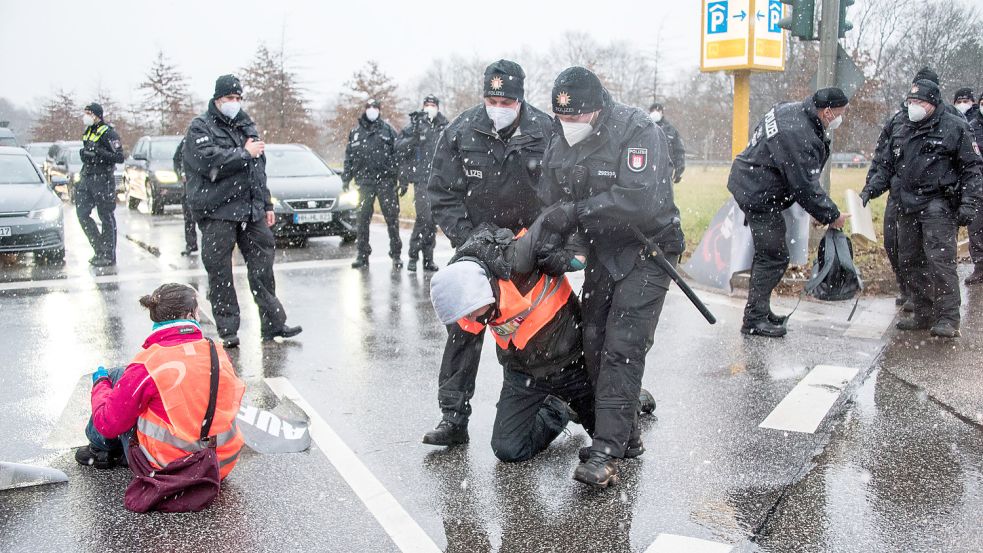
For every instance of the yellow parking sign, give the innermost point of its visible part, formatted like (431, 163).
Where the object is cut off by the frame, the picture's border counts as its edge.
(741, 35)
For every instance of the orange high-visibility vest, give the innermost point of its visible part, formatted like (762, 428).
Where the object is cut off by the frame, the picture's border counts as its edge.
(182, 375)
(522, 316)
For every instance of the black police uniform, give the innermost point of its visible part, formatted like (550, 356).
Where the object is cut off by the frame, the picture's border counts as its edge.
(415, 148)
(481, 176)
(677, 152)
(780, 166)
(370, 159)
(101, 151)
(190, 233)
(933, 170)
(619, 180)
(227, 194)
(891, 210)
(976, 227)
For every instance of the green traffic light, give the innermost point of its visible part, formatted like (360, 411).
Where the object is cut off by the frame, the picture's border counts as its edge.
(845, 25)
(801, 21)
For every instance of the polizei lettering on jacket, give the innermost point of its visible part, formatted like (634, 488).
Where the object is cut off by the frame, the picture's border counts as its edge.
(771, 125)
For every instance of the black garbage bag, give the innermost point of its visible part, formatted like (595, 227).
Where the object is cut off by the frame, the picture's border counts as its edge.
(834, 276)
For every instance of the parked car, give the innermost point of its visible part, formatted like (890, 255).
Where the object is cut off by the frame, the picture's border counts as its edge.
(307, 196)
(148, 174)
(54, 150)
(7, 137)
(848, 159)
(67, 169)
(31, 218)
(38, 152)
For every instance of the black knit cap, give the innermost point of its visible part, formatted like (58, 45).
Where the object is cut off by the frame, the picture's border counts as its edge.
(831, 97)
(926, 90)
(505, 79)
(431, 99)
(656, 106)
(373, 103)
(577, 90)
(225, 85)
(964, 93)
(926, 74)
(95, 108)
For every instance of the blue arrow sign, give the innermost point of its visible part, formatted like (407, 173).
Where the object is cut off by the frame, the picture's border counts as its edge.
(741, 15)
(760, 15)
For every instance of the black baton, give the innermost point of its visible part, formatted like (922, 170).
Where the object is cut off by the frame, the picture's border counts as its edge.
(655, 252)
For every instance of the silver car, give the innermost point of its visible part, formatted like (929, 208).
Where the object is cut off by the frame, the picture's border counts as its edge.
(31, 218)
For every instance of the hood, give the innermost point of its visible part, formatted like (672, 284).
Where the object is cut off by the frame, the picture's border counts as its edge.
(26, 197)
(298, 188)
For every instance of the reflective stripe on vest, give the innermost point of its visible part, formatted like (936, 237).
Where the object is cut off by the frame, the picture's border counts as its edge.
(182, 374)
(95, 136)
(523, 316)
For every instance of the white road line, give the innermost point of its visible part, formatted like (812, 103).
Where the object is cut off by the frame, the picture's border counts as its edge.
(873, 321)
(404, 531)
(805, 407)
(671, 543)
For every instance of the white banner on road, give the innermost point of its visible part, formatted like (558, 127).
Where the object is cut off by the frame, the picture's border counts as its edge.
(861, 219)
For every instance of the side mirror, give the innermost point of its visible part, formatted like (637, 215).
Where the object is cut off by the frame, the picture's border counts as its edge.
(140, 156)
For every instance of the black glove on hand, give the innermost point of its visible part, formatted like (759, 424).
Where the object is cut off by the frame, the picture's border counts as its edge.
(489, 245)
(865, 197)
(966, 215)
(554, 261)
(403, 188)
(87, 154)
(560, 217)
(677, 175)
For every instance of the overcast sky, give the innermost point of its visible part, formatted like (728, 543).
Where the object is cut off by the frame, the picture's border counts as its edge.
(83, 46)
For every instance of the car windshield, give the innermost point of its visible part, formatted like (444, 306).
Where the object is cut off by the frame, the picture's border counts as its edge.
(17, 169)
(37, 150)
(295, 163)
(162, 150)
(7, 141)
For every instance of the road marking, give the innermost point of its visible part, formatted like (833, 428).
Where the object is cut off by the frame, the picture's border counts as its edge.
(805, 407)
(404, 531)
(874, 321)
(671, 543)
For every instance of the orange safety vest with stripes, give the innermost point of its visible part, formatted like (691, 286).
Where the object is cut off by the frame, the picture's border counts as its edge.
(522, 316)
(182, 374)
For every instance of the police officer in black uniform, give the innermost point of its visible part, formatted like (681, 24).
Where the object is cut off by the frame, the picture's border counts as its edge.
(781, 166)
(370, 159)
(975, 117)
(101, 151)
(934, 170)
(485, 169)
(608, 176)
(227, 194)
(190, 232)
(415, 148)
(677, 152)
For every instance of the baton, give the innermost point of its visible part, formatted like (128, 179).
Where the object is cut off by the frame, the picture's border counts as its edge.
(656, 253)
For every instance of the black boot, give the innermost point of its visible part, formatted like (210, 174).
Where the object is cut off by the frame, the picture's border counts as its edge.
(411, 266)
(285, 332)
(777, 320)
(634, 448)
(429, 266)
(360, 261)
(447, 434)
(914, 323)
(763, 328)
(231, 341)
(945, 330)
(646, 403)
(88, 456)
(600, 470)
(397, 263)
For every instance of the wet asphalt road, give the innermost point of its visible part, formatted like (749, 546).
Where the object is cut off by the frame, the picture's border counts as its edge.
(895, 465)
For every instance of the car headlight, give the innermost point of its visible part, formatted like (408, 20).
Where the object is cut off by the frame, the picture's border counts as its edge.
(348, 199)
(164, 176)
(274, 201)
(47, 214)
(76, 177)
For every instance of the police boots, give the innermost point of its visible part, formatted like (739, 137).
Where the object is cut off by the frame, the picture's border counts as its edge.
(634, 449)
(599, 471)
(447, 434)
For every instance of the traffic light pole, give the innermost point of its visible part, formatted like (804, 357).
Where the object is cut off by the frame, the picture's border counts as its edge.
(828, 44)
(741, 126)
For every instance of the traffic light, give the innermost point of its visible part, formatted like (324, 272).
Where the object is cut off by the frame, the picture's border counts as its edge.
(802, 21)
(844, 24)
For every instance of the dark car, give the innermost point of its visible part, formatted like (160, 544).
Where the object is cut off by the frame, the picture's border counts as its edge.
(307, 195)
(65, 171)
(848, 159)
(31, 218)
(7, 137)
(52, 155)
(148, 174)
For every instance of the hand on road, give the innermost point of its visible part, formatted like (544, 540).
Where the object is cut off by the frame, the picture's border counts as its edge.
(255, 147)
(840, 221)
(270, 218)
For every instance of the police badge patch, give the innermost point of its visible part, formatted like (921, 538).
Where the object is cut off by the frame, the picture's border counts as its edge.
(638, 159)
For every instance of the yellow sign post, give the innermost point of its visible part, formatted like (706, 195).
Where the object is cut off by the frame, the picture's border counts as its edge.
(742, 36)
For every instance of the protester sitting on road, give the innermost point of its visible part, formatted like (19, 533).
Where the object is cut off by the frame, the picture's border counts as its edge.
(156, 406)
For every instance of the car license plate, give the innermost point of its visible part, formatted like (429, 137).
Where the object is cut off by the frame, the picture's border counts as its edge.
(4, 231)
(304, 218)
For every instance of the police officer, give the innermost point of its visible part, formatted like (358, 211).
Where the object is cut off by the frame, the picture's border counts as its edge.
(964, 102)
(779, 167)
(607, 173)
(101, 151)
(485, 169)
(975, 117)
(370, 159)
(190, 233)
(227, 194)
(415, 147)
(677, 153)
(934, 169)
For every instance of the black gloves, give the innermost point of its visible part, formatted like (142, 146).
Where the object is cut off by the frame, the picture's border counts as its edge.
(966, 215)
(554, 261)
(865, 197)
(560, 218)
(677, 174)
(87, 154)
(403, 187)
(492, 246)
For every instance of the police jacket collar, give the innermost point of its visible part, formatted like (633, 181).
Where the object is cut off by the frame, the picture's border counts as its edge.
(242, 119)
(809, 107)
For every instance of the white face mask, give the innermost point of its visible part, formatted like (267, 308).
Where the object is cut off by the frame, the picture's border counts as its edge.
(916, 113)
(963, 107)
(88, 120)
(230, 109)
(372, 114)
(835, 123)
(656, 116)
(576, 132)
(502, 117)
(431, 111)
